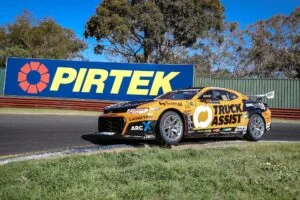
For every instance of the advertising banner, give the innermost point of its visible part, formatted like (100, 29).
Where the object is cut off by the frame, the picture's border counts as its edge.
(93, 80)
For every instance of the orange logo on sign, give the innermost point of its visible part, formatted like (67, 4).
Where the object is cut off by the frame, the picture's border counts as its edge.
(33, 77)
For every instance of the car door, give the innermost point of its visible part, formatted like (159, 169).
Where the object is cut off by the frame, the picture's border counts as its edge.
(217, 110)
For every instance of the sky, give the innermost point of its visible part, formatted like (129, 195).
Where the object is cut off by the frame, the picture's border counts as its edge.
(74, 14)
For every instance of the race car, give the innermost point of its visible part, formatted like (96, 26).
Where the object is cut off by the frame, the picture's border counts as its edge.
(193, 112)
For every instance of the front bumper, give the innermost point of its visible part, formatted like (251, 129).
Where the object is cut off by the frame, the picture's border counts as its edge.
(122, 126)
(113, 135)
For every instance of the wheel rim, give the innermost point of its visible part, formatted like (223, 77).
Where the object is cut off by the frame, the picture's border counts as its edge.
(257, 126)
(172, 127)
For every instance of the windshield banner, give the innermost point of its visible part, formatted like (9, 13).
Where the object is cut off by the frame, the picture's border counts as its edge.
(93, 80)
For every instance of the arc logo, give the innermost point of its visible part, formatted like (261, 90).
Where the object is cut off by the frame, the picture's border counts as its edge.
(33, 77)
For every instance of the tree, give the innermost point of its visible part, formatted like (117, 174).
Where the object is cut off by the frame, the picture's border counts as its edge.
(151, 30)
(43, 39)
(221, 50)
(266, 49)
(273, 48)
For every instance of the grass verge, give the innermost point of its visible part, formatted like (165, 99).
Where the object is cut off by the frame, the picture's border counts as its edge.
(247, 171)
(286, 121)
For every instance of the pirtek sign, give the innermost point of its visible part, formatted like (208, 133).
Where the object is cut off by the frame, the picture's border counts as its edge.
(93, 80)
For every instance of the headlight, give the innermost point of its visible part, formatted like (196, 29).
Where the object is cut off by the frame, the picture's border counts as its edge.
(137, 110)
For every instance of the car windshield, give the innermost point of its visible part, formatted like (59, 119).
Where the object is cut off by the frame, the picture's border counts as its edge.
(180, 94)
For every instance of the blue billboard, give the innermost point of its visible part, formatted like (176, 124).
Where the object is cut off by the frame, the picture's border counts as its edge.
(93, 80)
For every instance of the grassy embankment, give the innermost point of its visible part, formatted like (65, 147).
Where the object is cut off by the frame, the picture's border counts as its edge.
(240, 171)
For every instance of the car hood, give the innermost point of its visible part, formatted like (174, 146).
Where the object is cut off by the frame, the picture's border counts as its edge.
(123, 107)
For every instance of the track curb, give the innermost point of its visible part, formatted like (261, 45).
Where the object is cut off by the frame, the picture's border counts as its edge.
(88, 150)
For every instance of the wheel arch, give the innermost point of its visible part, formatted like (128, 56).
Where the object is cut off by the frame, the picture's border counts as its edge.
(258, 112)
(176, 111)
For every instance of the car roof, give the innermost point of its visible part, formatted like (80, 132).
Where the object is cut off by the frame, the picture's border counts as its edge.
(198, 89)
(190, 89)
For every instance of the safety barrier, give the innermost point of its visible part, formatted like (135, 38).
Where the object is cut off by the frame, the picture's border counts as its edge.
(95, 105)
(17, 102)
(286, 113)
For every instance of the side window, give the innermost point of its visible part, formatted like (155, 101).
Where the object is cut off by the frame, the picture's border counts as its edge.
(218, 95)
(232, 96)
(213, 95)
(228, 96)
(207, 95)
(224, 95)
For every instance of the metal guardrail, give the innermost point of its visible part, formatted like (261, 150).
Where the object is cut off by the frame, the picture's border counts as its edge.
(17, 102)
(95, 105)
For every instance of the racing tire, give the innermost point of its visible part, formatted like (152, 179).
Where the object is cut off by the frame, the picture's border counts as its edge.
(256, 128)
(170, 128)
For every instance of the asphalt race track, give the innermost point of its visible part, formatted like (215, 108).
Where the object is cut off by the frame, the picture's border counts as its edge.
(31, 133)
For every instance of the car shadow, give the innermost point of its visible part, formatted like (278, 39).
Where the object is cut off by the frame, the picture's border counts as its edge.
(98, 140)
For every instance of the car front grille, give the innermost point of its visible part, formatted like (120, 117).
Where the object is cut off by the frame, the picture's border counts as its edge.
(111, 124)
(124, 110)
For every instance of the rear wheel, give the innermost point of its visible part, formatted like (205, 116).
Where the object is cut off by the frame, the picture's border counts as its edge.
(170, 128)
(256, 128)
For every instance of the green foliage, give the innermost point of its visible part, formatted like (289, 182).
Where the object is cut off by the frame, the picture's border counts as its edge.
(266, 49)
(43, 39)
(194, 31)
(247, 171)
(273, 49)
(151, 30)
(219, 51)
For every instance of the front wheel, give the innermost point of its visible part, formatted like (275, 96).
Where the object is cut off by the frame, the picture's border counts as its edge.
(256, 128)
(170, 128)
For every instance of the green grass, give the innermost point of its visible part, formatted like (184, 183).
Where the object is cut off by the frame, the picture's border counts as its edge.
(244, 171)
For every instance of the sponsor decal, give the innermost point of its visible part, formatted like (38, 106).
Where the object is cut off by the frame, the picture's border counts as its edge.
(137, 128)
(224, 116)
(249, 104)
(93, 80)
(98, 77)
(226, 109)
(217, 130)
(226, 129)
(261, 106)
(206, 131)
(170, 103)
(241, 129)
(189, 121)
(150, 136)
(227, 119)
(145, 126)
(268, 126)
(107, 133)
(140, 118)
(33, 77)
(202, 116)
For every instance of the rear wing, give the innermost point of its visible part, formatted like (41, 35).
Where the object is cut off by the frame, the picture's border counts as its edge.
(269, 95)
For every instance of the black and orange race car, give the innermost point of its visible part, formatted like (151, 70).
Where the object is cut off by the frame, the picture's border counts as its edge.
(193, 112)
